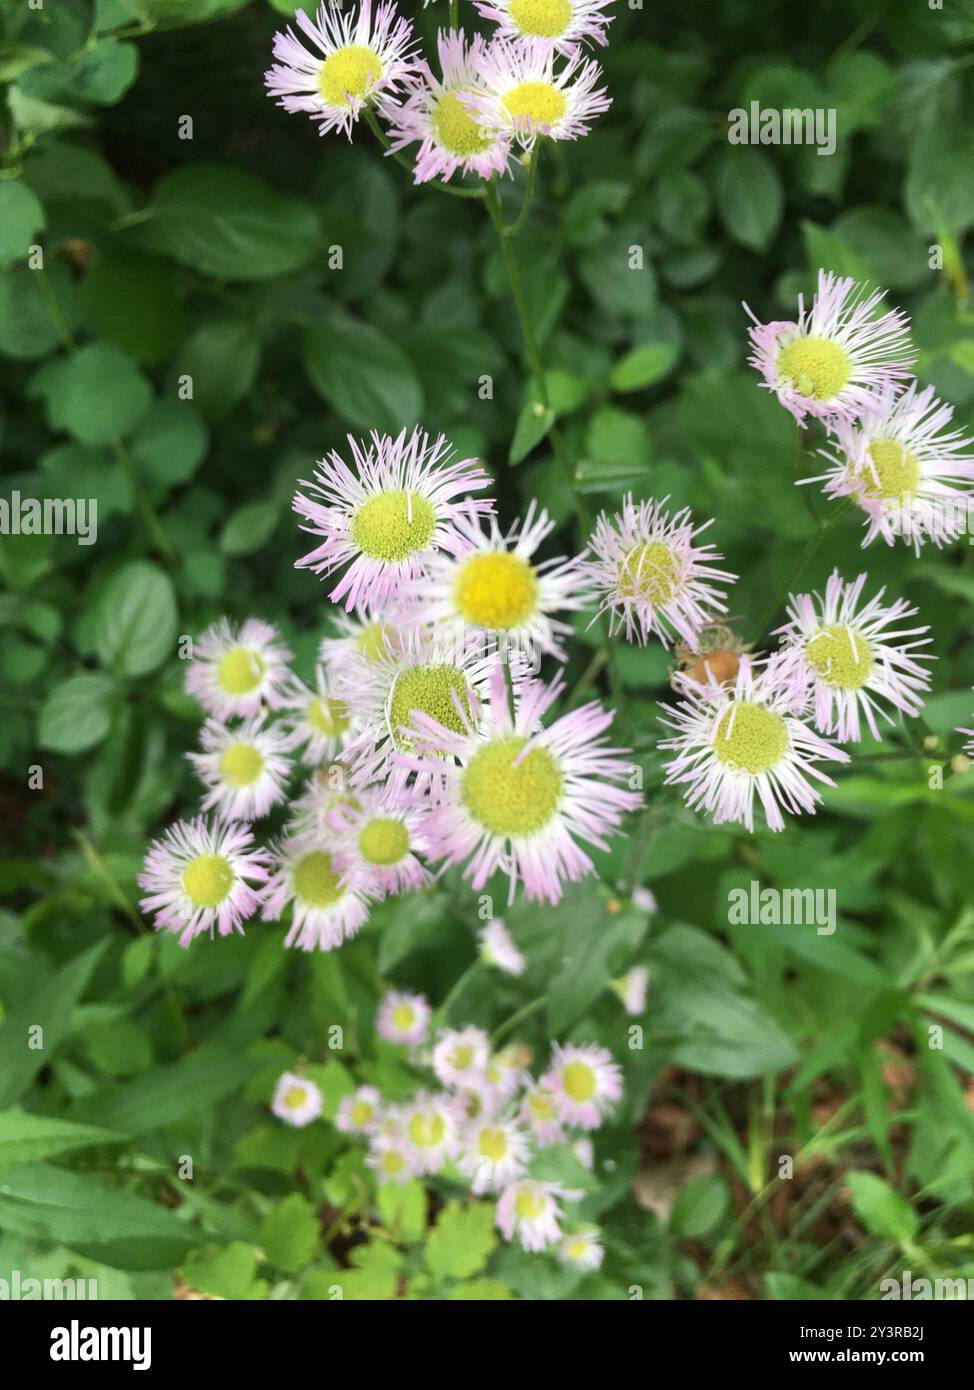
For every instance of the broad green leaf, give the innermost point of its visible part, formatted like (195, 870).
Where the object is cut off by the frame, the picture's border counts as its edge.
(461, 1242)
(77, 713)
(365, 378)
(290, 1233)
(21, 218)
(26, 1138)
(135, 620)
(749, 195)
(883, 1211)
(97, 393)
(39, 1018)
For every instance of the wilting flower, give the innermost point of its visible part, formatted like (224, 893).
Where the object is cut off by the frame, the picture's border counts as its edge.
(429, 1132)
(715, 654)
(237, 669)
(581, 1250)
(358, 56)
(526, 91)
(494, 1154)
(561, 22)
(492, 584)
(386, 516)
(497, 948)
(899, 463)
(519, 796)
(851, 658)
(244, 768)
(475, 1098)
(328, 905)
(315, 720)
(838, 354)
(296, 1101)
(649, 574)
(359, 1113)
(436, 114)
(585, 1083)
(734, 742)
(459, 1055)
(530, 1210)
(198, 878)
(631, 989)
(403, 1018)
(380, 836)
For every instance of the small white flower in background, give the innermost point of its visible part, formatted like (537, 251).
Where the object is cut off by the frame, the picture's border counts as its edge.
(585, 1083)
(199, 877)
(316, 722)
(403, 1018)
(296, 1101)
(390, 1159)
(494, 1153)
(531, 1211)
(497, 948)
(380, 834)
(429, 1132)
(359, 1113)
(237, 669)
(539, 1111)
(631, 989)
(459, 1054)
(644, 900)
(581, 1250)
(328, 905)
(245, 768)
(584, 1151)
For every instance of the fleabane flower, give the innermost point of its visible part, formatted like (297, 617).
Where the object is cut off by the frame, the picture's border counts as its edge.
(388, 514)
(358, 56)
(539, 1111)
(531, 1211)
(403, 1018)
(494, 1153)
(429, 1132)
(382, 836)
(507, 1069)
(317, 723)
(296, 1101)
(900, 462)
(235, 670)
(365, 634)
(854, 657)
(735, 742)
(527, 91)
(498, 948)
(199, 878)
(325, 792)
(436, 114)
(585, 1083)
(390, 1159)
(474, 1099)
(517, 797)
(492, 584)
(651, 576)
(244, 767)
(359, 1113)
(831, 361)
(631, 989)
(459, 1054)
(327, 905)
(564, 23)
(581, 1250)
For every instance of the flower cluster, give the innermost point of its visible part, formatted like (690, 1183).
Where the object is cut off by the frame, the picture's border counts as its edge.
(483, 1119)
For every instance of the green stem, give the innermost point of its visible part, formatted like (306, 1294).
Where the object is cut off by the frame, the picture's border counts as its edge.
(514, 227)
(406, 162)
(454, 14)
(808, 551)
(510, 1024)
(459, 986)
(800, 476)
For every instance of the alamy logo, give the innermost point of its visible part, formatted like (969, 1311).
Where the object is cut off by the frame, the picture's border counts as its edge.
(50, 516)
(793, 125)
(926, 1290)
(775, 907)
(18, 1290)
(76, 1343)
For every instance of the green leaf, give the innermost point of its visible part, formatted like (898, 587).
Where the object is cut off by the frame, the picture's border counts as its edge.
(375, 1276)
(28, 328)
(225, 1272)
(76, 715)
(249, 528)
(21, 218)
(643, 366)
(16, 58)
(289, 1233)
(97, 393)
(749, 196)
(26, 1138)
(883, 1211)
(221, 359)
(480, 1291)
(700, 1207)
(171, 442)
(826, 251)
(462, 1240)
(160, 1097)
(116, 281)
(135, 619)
(404, 1210)
(365, 378)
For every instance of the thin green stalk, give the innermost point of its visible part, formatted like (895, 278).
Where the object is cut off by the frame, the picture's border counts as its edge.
(514, 227)
(510, 1024)
(807, 553)
(406, 162)
(454, 14)
(800, 476)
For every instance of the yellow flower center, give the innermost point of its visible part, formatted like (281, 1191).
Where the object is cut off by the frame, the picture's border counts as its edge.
(461, 1057)
(327, 716)
(841, 656)
(456, 129)
(750, 738)
(392, 1162)
(579, 1081)
(348, 73)
(893, 472)
(430, 689)
(361, 1114)
(497, 590)
(493, 1144)
(816, 367)
(529, 1205)
(649, 572)
(393, 525)
(403, 1017)
(294, 1097)
(240, 671)
(426, 1129)
(537, 104)
(372, 640)
(207, 880)
(510, 792)
(576, 1249)
(383, 841)
(542, 1104)
(241, 764)
(544, 19)
(315, 881)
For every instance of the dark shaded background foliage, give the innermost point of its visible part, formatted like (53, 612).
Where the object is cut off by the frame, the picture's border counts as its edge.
(759, 1041)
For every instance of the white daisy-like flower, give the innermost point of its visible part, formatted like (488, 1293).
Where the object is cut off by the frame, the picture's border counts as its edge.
(360, 1112)
(585, 1083)
(531, 1211)
(564, 23)
(476, 1098)
(497, 948)
(494, 1153)
(436, 115)
(832, 360)
(381, 837)
(581, 1250)
(358, 56)
(492, 584)
(507, 1069)
(296, 1101)
(386, 516)
(390, 1159)
(584, 1151)
(854, 657)
(245, 767)
(236, 670)
(328, 905)
(528, 91)
(365, 634)
(403, 1018)
(520, 797)
(631, 989)
(459, 1054)
(650, 575)
(643, 898)
(539, 1111)
(198, 878)
(900, 462)
(429, 1132)
(733, 742)
(325, 792)
(315, 721)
